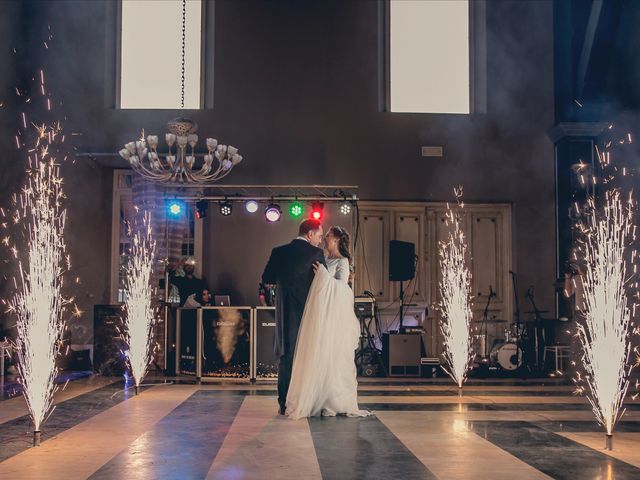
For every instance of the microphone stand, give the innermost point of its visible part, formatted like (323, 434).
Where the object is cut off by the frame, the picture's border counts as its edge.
(516, 313)
(485, 317)
(540, 334)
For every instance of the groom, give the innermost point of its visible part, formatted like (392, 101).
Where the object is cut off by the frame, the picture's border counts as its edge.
(290, 267)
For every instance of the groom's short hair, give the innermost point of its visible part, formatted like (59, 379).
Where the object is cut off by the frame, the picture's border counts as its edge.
(309, 226)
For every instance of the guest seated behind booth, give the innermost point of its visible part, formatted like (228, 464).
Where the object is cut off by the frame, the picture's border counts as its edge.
(204, 298)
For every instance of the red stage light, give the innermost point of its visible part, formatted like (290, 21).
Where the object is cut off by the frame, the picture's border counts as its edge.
(317, 211)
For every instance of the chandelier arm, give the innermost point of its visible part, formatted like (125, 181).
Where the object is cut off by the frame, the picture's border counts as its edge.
(219, 168)
(150, 173)
(190, 176)
(202, 176)
(219, 177)
(164, 164)
(175, 176)
(140, 167)
(215, 173)
(197, 175)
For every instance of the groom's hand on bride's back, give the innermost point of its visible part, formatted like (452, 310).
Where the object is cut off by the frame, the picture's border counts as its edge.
(316, 265)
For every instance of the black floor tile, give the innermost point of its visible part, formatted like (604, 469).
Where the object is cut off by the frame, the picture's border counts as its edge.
(553, 454)
(362, 448)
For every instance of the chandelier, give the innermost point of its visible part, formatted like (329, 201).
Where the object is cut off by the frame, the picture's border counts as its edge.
(178, 165)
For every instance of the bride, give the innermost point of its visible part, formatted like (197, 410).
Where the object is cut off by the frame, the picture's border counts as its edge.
(323, 380)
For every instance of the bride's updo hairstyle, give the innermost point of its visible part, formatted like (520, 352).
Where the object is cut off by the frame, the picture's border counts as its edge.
(344, 241)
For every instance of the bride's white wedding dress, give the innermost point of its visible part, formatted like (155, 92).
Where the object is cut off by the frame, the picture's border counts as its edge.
(323, 380)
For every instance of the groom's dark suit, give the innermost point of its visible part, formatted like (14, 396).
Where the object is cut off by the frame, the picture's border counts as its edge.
(290, 267)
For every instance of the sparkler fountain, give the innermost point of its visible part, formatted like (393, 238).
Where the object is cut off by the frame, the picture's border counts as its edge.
(140, 317)
(38, 303)
(604, 333)
(455, 301)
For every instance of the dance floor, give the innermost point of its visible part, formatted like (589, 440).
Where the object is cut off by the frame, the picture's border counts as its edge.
(421, 430)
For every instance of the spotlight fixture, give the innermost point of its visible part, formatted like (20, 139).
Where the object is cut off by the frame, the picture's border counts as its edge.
(201, 208)
(175, 208)
(226, 208)
(296, 209)
(345, 207)
(317, 211)
(251, 206)
(272, 213)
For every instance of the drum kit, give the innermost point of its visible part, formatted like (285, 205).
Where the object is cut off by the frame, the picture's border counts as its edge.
(523, 343)
(505, 354)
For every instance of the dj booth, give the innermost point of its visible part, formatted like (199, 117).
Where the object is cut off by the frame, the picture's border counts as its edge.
(226, 342)
(237, 342)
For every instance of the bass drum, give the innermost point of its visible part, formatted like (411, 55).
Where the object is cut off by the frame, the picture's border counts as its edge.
(507, 356)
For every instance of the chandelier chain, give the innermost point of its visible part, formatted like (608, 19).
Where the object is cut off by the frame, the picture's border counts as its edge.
(184, 29)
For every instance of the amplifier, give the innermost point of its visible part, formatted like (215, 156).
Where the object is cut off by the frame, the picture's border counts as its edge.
(401, 354)
(364, 307)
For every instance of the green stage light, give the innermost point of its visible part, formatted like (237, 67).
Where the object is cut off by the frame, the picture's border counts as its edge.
(296, 209)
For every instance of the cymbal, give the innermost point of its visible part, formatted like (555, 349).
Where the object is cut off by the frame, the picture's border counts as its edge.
(539, 311)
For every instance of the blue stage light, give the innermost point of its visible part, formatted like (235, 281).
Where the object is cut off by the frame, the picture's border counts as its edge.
(175, 208)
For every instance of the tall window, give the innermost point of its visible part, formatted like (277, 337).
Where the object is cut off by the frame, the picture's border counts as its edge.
(429, 56)
(151, 54)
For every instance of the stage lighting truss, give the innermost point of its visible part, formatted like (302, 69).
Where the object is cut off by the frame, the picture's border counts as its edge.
(298, 201)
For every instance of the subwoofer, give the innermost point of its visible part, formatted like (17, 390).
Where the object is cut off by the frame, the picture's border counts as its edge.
(402, 261)
(401, 354)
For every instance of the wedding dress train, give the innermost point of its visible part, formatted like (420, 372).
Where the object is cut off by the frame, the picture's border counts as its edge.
(323, 380)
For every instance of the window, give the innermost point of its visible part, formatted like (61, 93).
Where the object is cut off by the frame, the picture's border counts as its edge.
(429, 56)
(151, 54)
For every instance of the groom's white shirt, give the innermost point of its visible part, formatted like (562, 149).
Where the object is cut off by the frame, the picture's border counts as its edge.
(302, 238)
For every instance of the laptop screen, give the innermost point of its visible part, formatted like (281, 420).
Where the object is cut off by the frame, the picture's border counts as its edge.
(222, 300)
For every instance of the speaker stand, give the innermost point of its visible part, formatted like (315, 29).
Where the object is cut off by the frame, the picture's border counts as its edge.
(401, 327)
